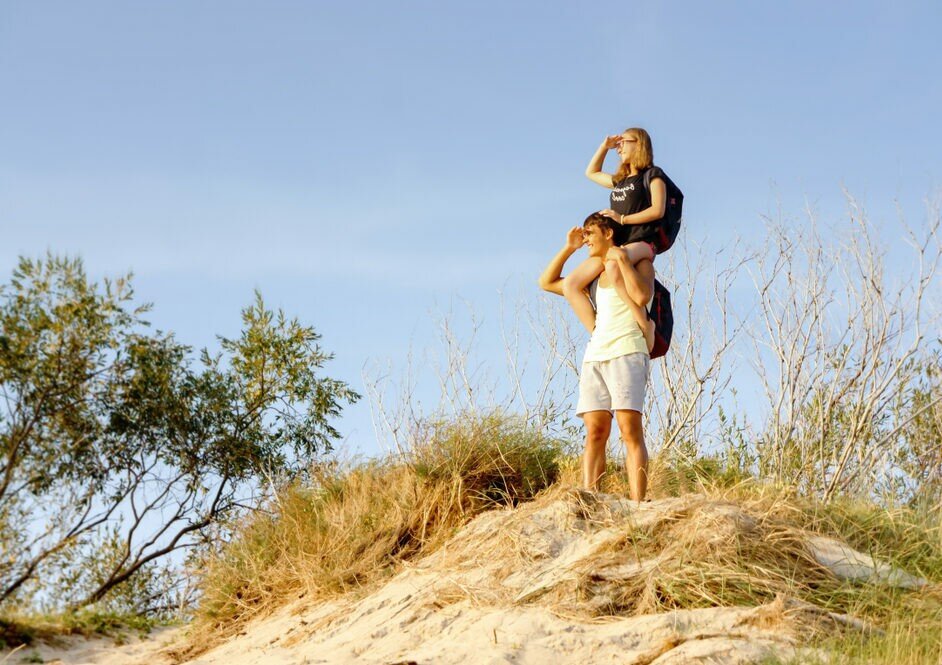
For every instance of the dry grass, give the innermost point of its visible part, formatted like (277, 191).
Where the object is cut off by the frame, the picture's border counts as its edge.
(724, 542)
(709, 555)
(908, 623)
(698, 551)
(351, 527)
(729, 545)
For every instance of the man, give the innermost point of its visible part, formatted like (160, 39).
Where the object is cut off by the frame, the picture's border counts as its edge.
(615, 367)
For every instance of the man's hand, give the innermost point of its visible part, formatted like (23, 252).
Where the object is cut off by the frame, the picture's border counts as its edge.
(552, 278)
(575, 238)
(615, 254)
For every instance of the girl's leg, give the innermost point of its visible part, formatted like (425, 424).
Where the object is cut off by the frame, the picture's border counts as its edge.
(636, 458)
(639, 251)
(574, 286)
(598, 426)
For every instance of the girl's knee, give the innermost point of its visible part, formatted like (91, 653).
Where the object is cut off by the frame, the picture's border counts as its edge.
(640, 251)
(570, 286)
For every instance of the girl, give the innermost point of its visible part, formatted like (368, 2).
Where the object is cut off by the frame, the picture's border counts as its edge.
(631, 204)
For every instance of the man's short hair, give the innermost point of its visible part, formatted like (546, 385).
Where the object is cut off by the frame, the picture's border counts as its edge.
(599, 220)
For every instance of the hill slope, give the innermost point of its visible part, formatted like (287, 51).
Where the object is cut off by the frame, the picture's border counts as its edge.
(573, 577)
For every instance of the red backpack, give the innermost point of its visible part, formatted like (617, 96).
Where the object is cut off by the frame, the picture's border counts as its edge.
(661, 312)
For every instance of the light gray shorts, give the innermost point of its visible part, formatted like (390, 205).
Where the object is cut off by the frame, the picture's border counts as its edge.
(618, 384)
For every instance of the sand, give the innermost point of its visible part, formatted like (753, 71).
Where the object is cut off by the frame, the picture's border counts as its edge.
(514, 586)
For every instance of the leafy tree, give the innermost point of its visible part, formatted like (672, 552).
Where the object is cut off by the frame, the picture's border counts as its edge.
(103, 421)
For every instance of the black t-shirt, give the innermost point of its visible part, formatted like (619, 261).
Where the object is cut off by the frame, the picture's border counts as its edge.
(630, 196)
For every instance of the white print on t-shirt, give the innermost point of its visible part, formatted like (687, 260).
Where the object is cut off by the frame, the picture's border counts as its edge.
(619, 193)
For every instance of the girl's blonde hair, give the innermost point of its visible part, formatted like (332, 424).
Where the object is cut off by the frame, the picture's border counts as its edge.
(643, 156)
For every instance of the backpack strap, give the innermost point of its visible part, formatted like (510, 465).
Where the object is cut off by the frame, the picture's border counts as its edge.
(647, 178)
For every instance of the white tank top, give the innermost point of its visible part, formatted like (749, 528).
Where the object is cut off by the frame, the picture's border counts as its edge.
(616, 331)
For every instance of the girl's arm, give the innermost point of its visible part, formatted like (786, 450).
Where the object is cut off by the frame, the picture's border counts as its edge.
(594, 170)
(654, 212)
(552, 280)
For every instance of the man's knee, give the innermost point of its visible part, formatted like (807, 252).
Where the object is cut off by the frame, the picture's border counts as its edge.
(597, 432)
(596, 436)
(630, 428)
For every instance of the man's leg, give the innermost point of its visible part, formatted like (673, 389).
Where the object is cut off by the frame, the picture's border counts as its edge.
(598, 426)
(639, 314)
(639, 251)
(636, 458)
(574, 286)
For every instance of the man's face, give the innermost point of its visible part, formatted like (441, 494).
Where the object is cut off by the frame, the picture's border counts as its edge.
(597, 240)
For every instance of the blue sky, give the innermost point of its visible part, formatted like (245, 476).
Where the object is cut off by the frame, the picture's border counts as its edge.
(366, 165)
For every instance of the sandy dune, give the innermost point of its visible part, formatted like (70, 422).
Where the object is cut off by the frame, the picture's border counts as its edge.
(532, 585)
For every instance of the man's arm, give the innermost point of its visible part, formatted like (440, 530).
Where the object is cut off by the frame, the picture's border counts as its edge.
(639, 279)
(552, 279)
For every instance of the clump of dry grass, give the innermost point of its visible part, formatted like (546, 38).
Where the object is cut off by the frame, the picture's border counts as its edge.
(588, 555)
(709, 554)
(350, 527)
(907, 622)
(584, 555)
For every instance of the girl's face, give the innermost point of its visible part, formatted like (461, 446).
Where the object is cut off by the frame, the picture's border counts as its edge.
(627, 146)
